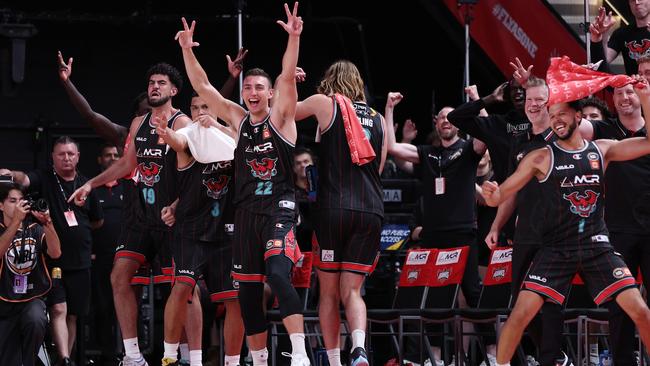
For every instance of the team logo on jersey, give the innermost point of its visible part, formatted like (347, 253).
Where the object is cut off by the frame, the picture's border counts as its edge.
(638, 50)
(149, 174)
(266, 134)
(21, 257)
(264, 169)
(594, 162)
(582, 205)
(217, 187)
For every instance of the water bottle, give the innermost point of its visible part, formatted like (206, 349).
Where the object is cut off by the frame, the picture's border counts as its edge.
(605, 359)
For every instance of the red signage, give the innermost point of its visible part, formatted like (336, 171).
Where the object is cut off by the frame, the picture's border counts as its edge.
(506, 29)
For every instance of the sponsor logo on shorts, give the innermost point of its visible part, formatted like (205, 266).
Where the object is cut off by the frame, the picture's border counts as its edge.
(229, 228)
(327, 255)
(417, 258)
(235, 285)
(186, 272)
(287, 204)
(537, 278)
(120, 247)
(599, 238)
(448, 257)
(273, 244)
(236, 266)
(621, 272)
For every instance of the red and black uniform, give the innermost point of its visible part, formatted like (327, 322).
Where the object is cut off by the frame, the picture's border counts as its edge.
(350, 197)
(574, 233)
(147, 236)
(204, 227)
(24, 280)
(265, 200)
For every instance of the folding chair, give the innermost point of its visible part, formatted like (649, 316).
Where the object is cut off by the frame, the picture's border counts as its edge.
(493, 302)
(442, 298)
(409, 299)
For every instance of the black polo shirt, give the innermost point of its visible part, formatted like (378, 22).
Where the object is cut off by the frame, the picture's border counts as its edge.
(76, 241)
(627, 183)
(455, 208)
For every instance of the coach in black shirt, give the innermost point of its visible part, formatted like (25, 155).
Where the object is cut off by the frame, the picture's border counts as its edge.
(70, 298)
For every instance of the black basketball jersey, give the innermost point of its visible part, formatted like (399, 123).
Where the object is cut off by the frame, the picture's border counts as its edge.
(572, 193)
(23, 273)
(264, 180)
(343, 184)
(528, 231)
(204, 205)
(155, 181)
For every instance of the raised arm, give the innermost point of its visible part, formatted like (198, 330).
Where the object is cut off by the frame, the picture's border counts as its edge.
(230, 112)
(235, 68)
(283, 113)
(534, 164)
(119, 169)
(403, 151)
(318, 105)
(105, 128)
(599, 30)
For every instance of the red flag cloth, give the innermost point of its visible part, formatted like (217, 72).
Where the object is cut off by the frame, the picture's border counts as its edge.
(361, 152)
(568, 81)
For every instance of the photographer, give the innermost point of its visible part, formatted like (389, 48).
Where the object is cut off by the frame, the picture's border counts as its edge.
(70, 297)
(24, 277)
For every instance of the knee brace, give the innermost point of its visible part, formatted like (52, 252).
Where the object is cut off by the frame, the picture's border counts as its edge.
(252, 312)
(278, 276)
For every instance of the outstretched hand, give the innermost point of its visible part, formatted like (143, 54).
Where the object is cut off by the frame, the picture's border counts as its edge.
(65, 70)
(79, 196)
(184, 37)
(160, 122)
(236, 66)
(301, 75)
(293, 26)
(521, 74)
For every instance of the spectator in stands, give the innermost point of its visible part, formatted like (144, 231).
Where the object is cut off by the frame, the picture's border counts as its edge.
(25, 236)
(594, 109)
(303, 157)
(448, 173)
(71, 298)
(105, 239)
(632, 41)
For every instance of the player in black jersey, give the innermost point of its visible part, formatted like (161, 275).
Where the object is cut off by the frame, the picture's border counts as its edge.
(149, 234)
(202, 234)
(571, 172)
(349, 203)
(264, 242)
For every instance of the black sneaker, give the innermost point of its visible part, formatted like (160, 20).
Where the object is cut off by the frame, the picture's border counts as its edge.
(358, 357)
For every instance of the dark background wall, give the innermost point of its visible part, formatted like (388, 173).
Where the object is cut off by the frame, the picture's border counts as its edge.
(410, 46)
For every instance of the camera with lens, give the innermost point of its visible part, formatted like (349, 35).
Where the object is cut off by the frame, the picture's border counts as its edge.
(36, 204)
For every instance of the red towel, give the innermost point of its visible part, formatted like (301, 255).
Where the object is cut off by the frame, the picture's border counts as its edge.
(568, 81)
(361, 152)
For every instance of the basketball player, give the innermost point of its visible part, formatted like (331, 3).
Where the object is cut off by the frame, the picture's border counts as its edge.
(571, 172)
(349, 195)
(264, 241)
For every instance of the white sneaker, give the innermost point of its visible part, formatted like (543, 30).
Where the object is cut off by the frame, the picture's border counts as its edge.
(491, 361)
(300, 360)
(427, 362)
(128, 361)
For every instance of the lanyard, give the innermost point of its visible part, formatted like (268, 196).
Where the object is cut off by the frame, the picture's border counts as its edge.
(65, 198)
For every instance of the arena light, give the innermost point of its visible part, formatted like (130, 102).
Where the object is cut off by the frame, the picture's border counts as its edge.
(18, 33)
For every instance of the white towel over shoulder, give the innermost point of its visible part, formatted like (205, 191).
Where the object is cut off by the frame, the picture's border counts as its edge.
(208, 145)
